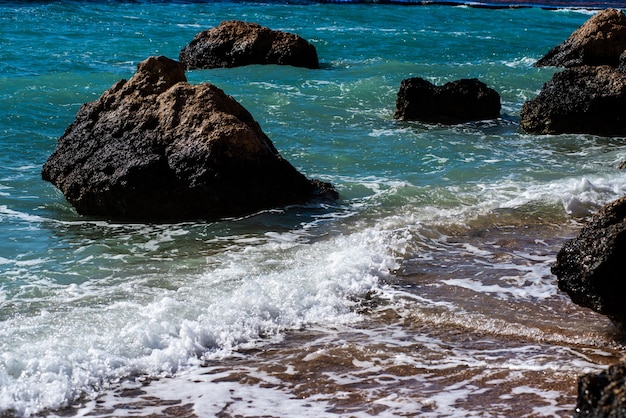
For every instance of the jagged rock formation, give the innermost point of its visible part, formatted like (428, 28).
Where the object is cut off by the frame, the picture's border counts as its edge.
(579, 100)
(235, 43)
(588, 96)
(156, 147)
(590, 268)
(599, 41)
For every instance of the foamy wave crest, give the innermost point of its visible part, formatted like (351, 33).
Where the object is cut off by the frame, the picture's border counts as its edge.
(10, 214)
(98, 334)
(523, 62)
(579, 197)
(586, 196)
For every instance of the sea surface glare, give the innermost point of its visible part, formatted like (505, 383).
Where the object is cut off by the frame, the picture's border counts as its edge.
(424, 291)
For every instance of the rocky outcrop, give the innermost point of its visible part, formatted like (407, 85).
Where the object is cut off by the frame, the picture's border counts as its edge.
(588, 96)
(156, 147)
(579, 100)
(599, 41)
(590, 268)
(622, 62)
(235, 43)
(459, 101)
(602, 395)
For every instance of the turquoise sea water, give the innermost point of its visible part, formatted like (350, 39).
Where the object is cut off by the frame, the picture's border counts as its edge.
(425, 290)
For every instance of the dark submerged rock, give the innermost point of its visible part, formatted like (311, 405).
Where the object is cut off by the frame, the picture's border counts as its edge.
(599, 41)
(459, 101)
(579, 100)
(235, 43)
(156, 147)
(591, 267)
(602, 395)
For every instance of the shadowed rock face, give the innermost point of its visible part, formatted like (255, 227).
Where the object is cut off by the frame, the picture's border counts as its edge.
(602, 395)
(156, 147)
(236, 43)
(599, 41)
(460, 101)
(579, 100)
(590, 268)
(588, 97)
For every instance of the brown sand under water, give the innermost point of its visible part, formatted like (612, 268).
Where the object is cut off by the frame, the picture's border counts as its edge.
(470, 325)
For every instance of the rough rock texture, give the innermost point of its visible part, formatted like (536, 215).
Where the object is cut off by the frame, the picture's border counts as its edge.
(589, 95)
(460, 101)
(599, 41)
(591, 268)
(156, 147)
(622, 62)
(579, 100)
(235, 43)
(602, 395)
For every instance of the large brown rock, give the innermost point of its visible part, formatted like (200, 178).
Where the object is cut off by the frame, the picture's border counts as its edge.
(589, 96)
(579, 100)
(602, 395)
(235, 43)
(591, 268)
(156, 147)
(459, 101)
(599, 41)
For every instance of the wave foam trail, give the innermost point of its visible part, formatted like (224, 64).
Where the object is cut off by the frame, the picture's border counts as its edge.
(579, 197)
(586, 197)
(84, 339)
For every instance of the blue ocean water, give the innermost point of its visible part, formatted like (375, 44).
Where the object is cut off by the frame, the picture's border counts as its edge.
(545, 4)
(432, 270)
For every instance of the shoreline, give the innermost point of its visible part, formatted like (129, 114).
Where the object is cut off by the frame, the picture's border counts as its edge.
(409, 352)
(342, 372)
(426, 290)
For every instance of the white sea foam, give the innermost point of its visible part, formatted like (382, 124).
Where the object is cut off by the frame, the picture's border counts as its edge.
(550, 397)
(523, 62)
(377, 133)
(542, 290)
(250, 388)
(86, 304)
(105, 332)
(224, 396)
(3, 190)
(253, 291)
(586, 197)
(579, 196)
(6, 212)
